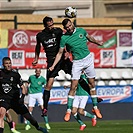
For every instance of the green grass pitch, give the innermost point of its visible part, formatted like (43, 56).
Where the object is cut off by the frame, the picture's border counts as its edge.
(121, 126)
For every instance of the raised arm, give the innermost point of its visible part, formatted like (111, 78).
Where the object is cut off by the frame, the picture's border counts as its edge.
(57, 59)
(92, 39)
(37, 52)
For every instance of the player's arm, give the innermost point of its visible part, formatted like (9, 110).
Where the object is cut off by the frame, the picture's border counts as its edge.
(37, 52)
(57, 59)
(92, 39)
(23, 89)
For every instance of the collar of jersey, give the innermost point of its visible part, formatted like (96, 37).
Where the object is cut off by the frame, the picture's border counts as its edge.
(74, 30)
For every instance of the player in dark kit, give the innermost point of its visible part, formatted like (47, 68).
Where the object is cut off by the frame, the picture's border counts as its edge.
(50, 39)
(10, 95)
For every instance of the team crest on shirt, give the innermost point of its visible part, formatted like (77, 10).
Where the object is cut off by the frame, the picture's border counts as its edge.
(80, 35)
(39, 83)
(6, 88)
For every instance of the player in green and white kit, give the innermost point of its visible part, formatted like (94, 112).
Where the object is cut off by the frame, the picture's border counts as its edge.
(36, 83)
(79, 103)
(75, 39)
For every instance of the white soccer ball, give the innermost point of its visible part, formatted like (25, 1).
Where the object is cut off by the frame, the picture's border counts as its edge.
(71, 12)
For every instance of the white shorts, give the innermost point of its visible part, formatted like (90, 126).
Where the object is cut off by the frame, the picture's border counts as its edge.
(80, 101)
(86, 64)
(35, 97)
(26, 99)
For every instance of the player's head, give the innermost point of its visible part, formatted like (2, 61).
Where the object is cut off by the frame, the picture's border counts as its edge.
(6, 61)
(48, 23)
(68, 25)
(38, 72)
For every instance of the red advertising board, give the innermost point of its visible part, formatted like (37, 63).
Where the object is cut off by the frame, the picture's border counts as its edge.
(21, 46)
(104, 57)
(108, 37)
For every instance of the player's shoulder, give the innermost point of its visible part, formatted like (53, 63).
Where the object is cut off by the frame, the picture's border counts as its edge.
(58, 29)
(32, 76)
(15, 72)
(80, 29)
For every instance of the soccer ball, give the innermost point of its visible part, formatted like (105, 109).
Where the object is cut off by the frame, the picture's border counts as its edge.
(71, 12)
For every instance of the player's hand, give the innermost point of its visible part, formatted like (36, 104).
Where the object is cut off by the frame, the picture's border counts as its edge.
(100, 43)
(34, 63)
(51, 68)
(21, 99)
(66, 55)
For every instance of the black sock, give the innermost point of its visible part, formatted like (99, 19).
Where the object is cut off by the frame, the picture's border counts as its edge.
(1, 130)
(46, 96)
(84, 85)
(31, 119)
(10, 124)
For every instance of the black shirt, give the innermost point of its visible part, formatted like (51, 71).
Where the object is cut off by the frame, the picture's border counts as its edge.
(50, 40)
(9, 81)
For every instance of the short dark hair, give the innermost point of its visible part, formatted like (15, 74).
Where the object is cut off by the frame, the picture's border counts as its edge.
(5, 59)
(46, 19)
(65, 21)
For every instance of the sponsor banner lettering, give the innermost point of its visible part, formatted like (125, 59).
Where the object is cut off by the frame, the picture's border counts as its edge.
(22, 49)
(124, 38)
(109, 94)
(108, 37)
(17, 57)
(124, 57)
(104, 57)
(58, 95)
(113, 94)
(22, 39)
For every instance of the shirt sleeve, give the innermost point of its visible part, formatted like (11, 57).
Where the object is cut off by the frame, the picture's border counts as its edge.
(20, 81)
(62, 42)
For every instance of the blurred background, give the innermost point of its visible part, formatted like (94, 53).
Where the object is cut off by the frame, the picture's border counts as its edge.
(109, 21)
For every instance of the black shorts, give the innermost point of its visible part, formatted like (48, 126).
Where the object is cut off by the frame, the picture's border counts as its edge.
(65, 65)
(18, 108)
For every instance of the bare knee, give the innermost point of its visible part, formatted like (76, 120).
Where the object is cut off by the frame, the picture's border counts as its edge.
(81, 111)
(74, 110)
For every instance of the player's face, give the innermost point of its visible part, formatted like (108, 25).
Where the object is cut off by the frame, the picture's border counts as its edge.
(50, 25)
(7, 65)
(69, 27)
(38, 72)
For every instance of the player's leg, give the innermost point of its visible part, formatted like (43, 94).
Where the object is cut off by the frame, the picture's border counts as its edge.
(94, 97)
(3, 113)
(40, 103)
(32, 101)
(76, 102)
(86, 87)
(76, 72)
(10, 122)
(26, 103)
(70, 99)
(50, 80)
(82, 104)
(90, 73)
(21, 109)
(46, 95)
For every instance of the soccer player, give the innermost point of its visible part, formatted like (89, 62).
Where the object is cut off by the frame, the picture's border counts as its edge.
(36, 83)
(10, 122)
(10, 97)
(50, 40)
(75, 39)
(79, 103)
